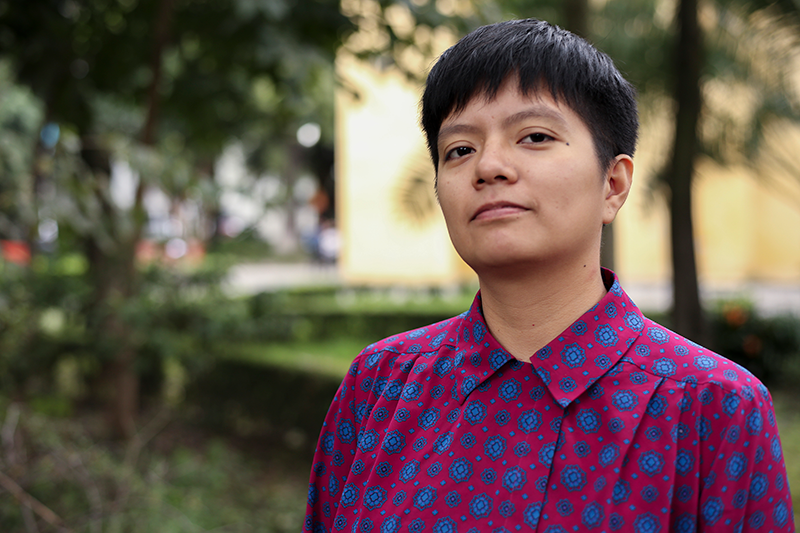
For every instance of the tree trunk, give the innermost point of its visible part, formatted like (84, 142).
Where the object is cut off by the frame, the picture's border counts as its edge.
(124, 406)
(687, 315)
(117, 388)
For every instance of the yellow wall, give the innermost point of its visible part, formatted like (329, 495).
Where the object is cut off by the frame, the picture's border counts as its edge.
(379, 150)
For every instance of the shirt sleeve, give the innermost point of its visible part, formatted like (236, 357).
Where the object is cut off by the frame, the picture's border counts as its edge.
(744, 484)
(333, 457)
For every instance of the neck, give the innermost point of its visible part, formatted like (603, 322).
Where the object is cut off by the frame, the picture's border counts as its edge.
(524, 312)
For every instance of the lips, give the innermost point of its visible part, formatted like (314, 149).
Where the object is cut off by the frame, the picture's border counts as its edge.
(497, 210)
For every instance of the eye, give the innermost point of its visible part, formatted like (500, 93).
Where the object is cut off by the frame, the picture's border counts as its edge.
(537, 138)
(459, 151)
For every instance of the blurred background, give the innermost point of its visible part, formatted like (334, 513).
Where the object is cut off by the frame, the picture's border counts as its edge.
(209, 207)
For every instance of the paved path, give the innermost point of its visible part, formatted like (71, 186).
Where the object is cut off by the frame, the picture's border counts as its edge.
(258, 277)
(769, 298)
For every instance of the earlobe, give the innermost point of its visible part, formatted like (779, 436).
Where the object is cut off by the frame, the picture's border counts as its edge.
(618, 184)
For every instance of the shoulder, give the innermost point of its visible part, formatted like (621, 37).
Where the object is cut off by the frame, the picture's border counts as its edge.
(398, 353)
(666, 354)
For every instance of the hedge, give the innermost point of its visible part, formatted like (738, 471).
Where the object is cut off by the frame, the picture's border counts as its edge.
(250, 398)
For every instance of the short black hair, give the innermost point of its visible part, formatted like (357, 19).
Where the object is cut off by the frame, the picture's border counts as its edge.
(540, 55)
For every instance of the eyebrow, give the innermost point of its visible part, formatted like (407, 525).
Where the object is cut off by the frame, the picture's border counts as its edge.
(454, 129)
(534, 111)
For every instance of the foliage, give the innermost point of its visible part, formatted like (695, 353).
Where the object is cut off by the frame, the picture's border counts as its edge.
(767, 346)
(167, 485)
(785, 400)
(315, 314)
(162, 86)
(329, 357)
(246, 398)
(20, 119)
(44, 321)
(39, 322)
(72, 52)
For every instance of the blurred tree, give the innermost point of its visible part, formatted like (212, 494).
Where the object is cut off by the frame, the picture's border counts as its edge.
(165, 84)
(687, 313)
(729, 48)
(20, 122)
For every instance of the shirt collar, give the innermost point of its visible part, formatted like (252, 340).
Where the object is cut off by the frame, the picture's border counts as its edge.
(569, 364)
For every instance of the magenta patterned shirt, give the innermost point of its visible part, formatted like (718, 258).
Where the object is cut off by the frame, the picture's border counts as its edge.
(616, 425)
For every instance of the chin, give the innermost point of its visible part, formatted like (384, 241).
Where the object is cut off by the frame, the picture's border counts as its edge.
(517, 260)
(499, 262)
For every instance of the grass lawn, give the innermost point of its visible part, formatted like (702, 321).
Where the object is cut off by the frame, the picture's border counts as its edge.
(329, 358)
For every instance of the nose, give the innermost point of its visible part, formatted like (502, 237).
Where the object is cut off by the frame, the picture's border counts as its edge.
(494, 164)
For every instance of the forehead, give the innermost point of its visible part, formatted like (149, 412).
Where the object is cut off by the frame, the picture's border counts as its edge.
(509, 104)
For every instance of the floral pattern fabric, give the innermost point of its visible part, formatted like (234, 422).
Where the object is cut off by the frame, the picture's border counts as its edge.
(618, 424)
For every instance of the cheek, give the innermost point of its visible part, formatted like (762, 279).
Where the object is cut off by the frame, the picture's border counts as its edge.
(449, 214)
(448, 199)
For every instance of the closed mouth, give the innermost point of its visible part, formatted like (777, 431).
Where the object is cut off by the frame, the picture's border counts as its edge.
(498, 207)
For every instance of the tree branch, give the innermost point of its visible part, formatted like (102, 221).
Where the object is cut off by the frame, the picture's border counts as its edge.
(32, 503)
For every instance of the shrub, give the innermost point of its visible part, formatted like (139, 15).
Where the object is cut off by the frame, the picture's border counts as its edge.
(767, 346)
(252, 398)
(149, 487)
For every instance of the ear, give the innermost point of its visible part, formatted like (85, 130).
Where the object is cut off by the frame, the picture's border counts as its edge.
(619, 178)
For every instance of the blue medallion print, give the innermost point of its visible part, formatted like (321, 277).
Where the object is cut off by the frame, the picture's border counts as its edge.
(460, 470)
(531, 514)
(409, 471)
(664, 367)
(481, 505)
(621, 492)
(573, 478)
(633, 321)
(495, 447)
(350, 495)
(514, 478)
(374, 497)
(592, 515)
(684, 462)
(428, 418)
(529, 421)
(651, 463)
(658, 335)
(573, 355)
(624, 400)
(424, 497)
(445, 525)
(606, 336)
(579, 328)
(588, 420)
(394, 442)
(510, 390)
(475, 412)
